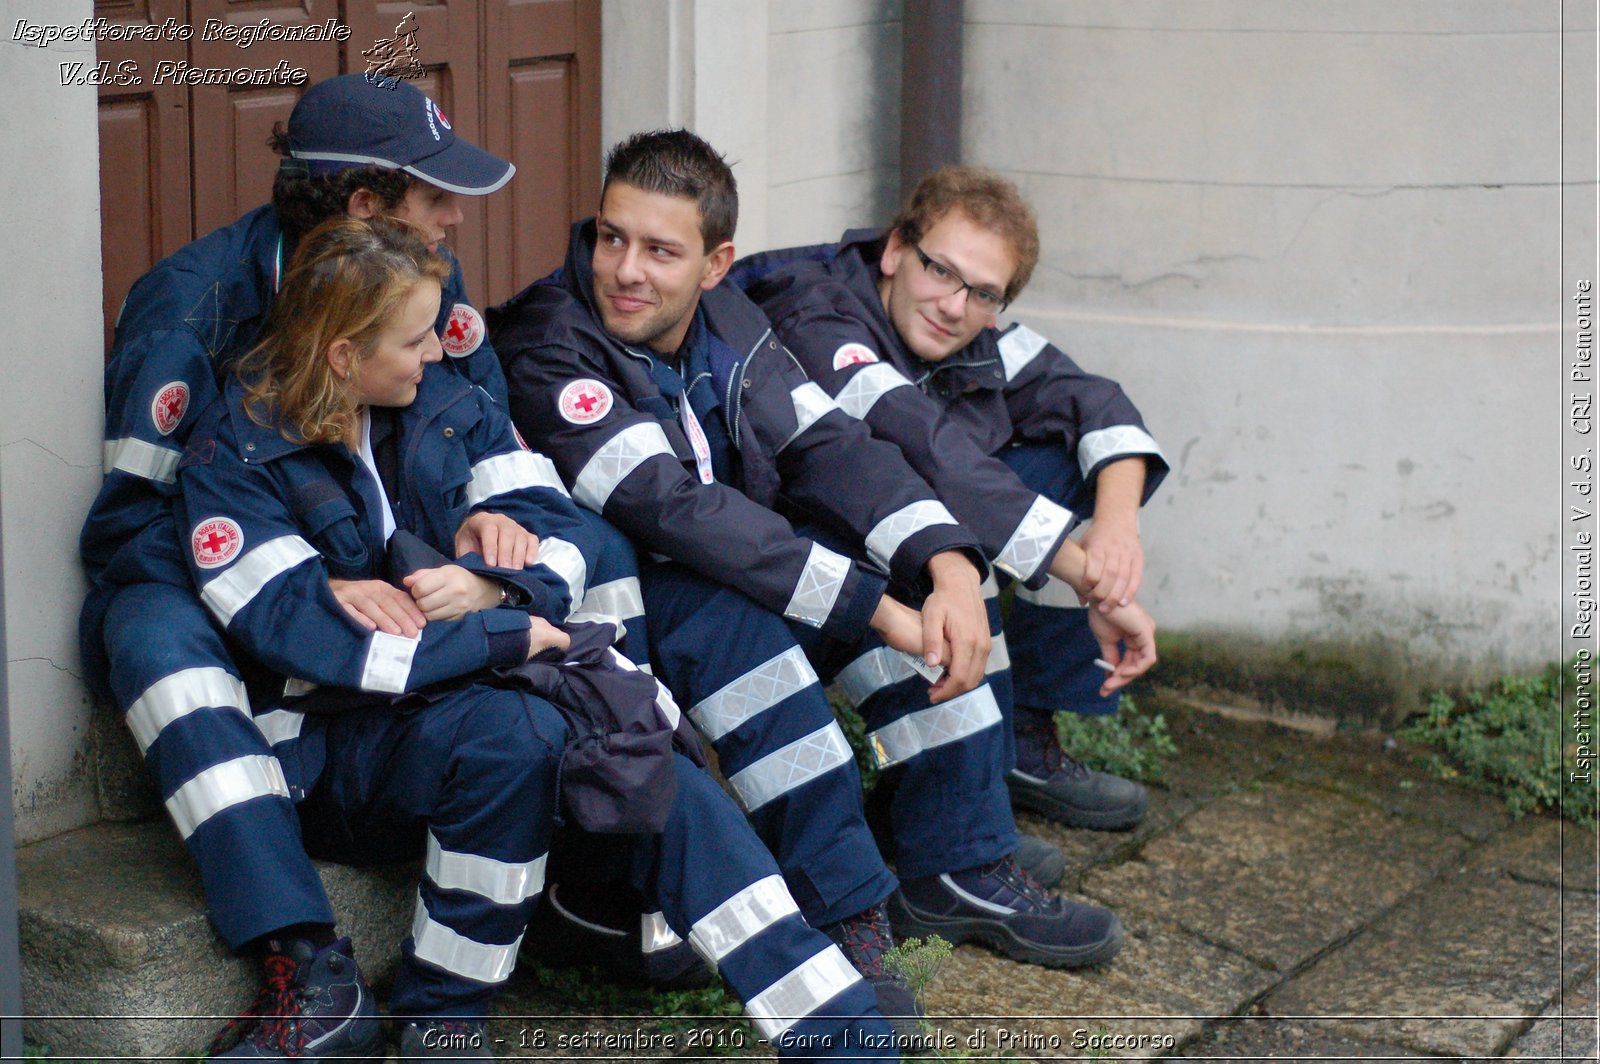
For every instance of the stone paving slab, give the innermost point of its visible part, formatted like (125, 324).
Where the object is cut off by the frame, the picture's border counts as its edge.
(1543, 850)
(1155, 994)
(1464, 965)
(1277, 873)
(1267, 1038)
(1567, 1030)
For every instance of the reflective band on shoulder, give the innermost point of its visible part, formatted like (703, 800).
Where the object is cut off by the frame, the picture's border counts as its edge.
(1029, 546)
(925, 729)
(459, 955)
(791, 767)
(180, 694)
(621, 599)
(1018, 348)
(1055, 595)
(616, 458)
(867, 387)
(742, 917)
(142, 459)
(871, 673)
(234, 588)
(810, 403)
(818, 587)
(501, 882)
(999, 655)
(223, 786)
(388, 664)
(802, 992)
(755, 692)
(887, 535)
(1124, 440)
(655, 935)
(280, 725)
(565, 560)
(512, 471)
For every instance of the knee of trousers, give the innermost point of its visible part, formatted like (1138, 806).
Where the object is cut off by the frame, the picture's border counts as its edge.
(498, 743)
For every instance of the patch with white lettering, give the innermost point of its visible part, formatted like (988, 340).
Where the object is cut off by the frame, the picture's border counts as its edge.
(463, 332)
(853, 355)
(169, 406)
(584, 401)
(216, 541)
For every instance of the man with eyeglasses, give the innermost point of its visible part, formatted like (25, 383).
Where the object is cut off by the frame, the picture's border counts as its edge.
(899, 326)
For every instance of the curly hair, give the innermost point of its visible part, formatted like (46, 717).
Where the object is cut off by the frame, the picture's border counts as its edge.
(304, 202)
(988, 200)
(347, 279)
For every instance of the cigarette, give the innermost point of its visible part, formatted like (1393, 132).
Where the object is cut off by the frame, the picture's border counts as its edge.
(1104, 664)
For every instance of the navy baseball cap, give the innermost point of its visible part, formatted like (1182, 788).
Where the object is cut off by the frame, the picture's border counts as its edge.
(350, 121)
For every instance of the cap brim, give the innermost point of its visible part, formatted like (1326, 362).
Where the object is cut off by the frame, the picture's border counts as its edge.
(463, 168)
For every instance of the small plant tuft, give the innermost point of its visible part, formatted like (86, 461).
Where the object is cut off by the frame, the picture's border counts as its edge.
(1126, 743)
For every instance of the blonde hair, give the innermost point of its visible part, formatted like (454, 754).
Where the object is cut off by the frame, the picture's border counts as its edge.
(347, 280)
(984, 197)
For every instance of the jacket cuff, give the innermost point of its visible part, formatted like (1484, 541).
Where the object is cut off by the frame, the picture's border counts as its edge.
(852, 612)
(911, 560)
(507, 634)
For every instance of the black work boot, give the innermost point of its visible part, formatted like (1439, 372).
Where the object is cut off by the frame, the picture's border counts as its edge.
(315, 1006)
(1052, 784)
(865, 938)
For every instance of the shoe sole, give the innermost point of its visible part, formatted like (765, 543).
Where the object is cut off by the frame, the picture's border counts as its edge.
(910, 922)
(1038, 800)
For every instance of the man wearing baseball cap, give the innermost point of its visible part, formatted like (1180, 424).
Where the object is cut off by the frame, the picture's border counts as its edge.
(350, 147)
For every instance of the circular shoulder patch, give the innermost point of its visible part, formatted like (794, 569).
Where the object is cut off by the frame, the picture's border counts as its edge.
(169, 406)
(853, 355)
(463, 332)
(216, 541)
(584, 401)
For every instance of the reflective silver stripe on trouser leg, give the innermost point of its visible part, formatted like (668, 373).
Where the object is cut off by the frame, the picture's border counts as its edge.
(791, 766)
(947, 722)
(446, 948)
(742, 917)
(505, 883)
(616, 602)
(181, 693)
(757, 691)
(801, 992)
(1055, 595)
(223, 786)
(999, 653)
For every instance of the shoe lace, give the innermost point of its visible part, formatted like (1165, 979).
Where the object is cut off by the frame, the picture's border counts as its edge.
(273, 1018)
(1042, 733)
(1017, 878)
(865, 938)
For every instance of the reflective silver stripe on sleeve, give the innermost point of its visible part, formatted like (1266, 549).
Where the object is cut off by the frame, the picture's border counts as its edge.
(1028, 549)
(1126, 440)
(234, 588)
(887, 535)
(615, 600)
(800, 993)
(388, 663)
(792, 766)
(818, 587)
(142, 459)
(512, 471)
(810, 403)
(502, 882)
(757, 691)
(742, 917)
(280, 725)
(868, 386)
(181, 693)
(222, 786)
(457, 954)
(925, 729)
(1055, 595)
(664, 700)
(1018, 348)
(616, 458)
(566, 561)
(655, 935)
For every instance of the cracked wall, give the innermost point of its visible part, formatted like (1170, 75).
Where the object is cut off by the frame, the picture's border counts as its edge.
(50, 425)
(1318, 245)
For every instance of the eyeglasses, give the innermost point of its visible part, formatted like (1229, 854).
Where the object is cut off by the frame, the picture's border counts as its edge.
(949, 280)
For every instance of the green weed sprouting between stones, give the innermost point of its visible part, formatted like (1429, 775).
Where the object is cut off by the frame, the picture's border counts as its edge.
(675, 1010)
(1126, 743)
(1514, 738)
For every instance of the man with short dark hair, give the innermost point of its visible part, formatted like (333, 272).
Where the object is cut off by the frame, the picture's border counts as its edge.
(1021, 444)
(787, 540)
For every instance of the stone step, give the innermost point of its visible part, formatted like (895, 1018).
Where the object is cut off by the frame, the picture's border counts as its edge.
(119, 959)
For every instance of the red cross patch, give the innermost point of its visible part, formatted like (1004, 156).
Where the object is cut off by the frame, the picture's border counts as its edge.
(584, 401)
(169, 406)
(853, 355)
(463, 332)
(216, 541)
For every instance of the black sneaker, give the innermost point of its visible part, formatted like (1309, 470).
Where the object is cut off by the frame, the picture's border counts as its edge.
(613, 940)
(1048, 782)
(1002, 907)
(451, 1039)
(314, 1006)
(1040, 859)
(865, 938)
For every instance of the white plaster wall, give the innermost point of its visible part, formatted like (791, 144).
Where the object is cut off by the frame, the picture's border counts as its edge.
(801, 97)
(1318, 244)
(49, 412)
